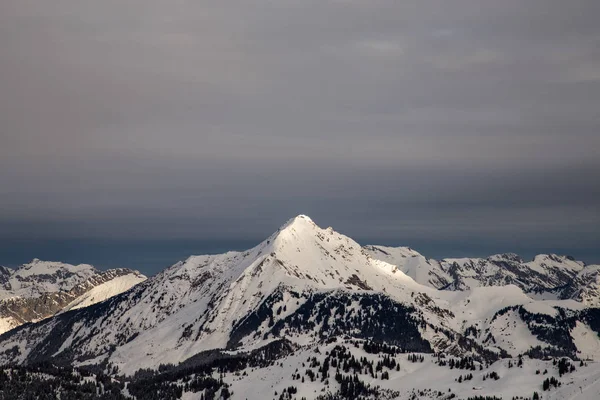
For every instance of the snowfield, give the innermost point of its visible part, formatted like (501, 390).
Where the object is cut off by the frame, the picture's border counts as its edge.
(426, 377)
(105, 291)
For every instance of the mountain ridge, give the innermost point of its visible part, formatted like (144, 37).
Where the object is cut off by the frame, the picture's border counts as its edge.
(545, 273)
(305, 289)
(40, 289)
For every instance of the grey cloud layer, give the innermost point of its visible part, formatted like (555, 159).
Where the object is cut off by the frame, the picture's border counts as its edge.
(385, 118)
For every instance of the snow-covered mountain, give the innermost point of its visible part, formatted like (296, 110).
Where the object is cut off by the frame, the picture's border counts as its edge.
(584, 287)
(547, 274)
(37, 277)
(305, 290)
(40, 289)
(236, 300)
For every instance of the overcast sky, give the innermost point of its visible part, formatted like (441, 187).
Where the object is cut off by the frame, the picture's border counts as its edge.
(466, 121)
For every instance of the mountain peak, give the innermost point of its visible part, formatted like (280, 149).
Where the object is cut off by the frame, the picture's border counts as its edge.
(297, 220)
(299, 226)
(506, 257)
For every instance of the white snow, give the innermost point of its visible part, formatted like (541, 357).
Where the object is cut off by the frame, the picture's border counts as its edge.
(8, 323)
(60, 282)
(514, 381)
(106, 290)
(586, 340)
(36, 277)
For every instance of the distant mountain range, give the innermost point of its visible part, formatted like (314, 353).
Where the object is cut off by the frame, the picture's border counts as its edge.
(41, 289)
(367, 322)
(547, 276)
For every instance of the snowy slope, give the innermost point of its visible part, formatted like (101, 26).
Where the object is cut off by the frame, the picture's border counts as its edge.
(585, 287)
(305, 285)
(40, 289)
(338, 369)
(105, 291)
(192, 306)
(547, 275)
(37, 277)
(425, 271)
(420, 380)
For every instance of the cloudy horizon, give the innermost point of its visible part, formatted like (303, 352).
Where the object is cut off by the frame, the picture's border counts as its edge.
(467, 125)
